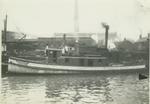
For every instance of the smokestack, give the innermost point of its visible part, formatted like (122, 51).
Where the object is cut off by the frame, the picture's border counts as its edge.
(106, 34)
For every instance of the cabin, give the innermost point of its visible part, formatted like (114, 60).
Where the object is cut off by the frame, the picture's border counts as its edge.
(82, 61)
(56, 56)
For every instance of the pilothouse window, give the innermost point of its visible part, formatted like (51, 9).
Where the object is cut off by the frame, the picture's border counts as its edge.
(82, 62)
(99, 60)
(90, 62)
(66, 60)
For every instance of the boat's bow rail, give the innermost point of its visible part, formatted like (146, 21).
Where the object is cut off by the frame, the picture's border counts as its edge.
(14, 59)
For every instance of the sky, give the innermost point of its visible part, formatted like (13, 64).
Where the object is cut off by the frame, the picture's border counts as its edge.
(40, 18)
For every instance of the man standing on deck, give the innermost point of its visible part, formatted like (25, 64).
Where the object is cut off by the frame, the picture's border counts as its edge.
(46, 50)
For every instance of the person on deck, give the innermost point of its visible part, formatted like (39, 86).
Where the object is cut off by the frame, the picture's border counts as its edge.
(65, 50)
(46, 49)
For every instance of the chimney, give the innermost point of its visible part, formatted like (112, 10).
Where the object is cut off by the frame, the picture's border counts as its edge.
(140, 37)
(106, 34)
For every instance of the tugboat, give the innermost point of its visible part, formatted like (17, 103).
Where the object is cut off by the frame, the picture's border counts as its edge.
(68, 59)
(71, 60)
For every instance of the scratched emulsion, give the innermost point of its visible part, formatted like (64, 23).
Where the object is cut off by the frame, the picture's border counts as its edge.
(75, 89)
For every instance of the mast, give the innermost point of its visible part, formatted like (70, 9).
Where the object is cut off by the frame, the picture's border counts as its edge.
(76, 26)
(5, 57)
(76, 17)
(5, 34)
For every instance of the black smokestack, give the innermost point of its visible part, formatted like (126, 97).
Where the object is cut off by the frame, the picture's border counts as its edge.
(106, 33)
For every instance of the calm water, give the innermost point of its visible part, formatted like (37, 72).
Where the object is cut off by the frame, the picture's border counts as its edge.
(74, 89)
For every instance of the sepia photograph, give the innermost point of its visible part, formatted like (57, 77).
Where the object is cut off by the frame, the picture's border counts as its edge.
(74, 51)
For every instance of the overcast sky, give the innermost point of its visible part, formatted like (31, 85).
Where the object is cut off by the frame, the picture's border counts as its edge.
(128, 18)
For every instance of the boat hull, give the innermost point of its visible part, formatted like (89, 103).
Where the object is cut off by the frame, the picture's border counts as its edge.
(23, 66)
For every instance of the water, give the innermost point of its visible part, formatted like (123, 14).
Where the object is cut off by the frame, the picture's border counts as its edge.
(74, 89)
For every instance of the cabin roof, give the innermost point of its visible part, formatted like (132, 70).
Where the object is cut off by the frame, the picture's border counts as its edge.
(82, 57)
(54, 49)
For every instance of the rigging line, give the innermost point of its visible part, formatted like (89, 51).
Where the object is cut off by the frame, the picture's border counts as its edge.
(12, 21)
(19, 31)
(16, 26)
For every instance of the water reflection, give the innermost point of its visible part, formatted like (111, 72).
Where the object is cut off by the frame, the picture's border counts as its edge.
(79, 89)
(74, 89)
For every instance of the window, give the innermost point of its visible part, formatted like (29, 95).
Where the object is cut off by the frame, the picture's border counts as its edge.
(99, 60)
(90, 62)
(82, 62)
(66, 60)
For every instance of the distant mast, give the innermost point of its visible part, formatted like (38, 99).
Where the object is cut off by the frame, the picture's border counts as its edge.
(5, 27)
(4, 42)
(76, 26)
(76, 17)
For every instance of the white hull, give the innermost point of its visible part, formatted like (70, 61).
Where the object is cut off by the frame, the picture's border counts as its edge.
(22, 66)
